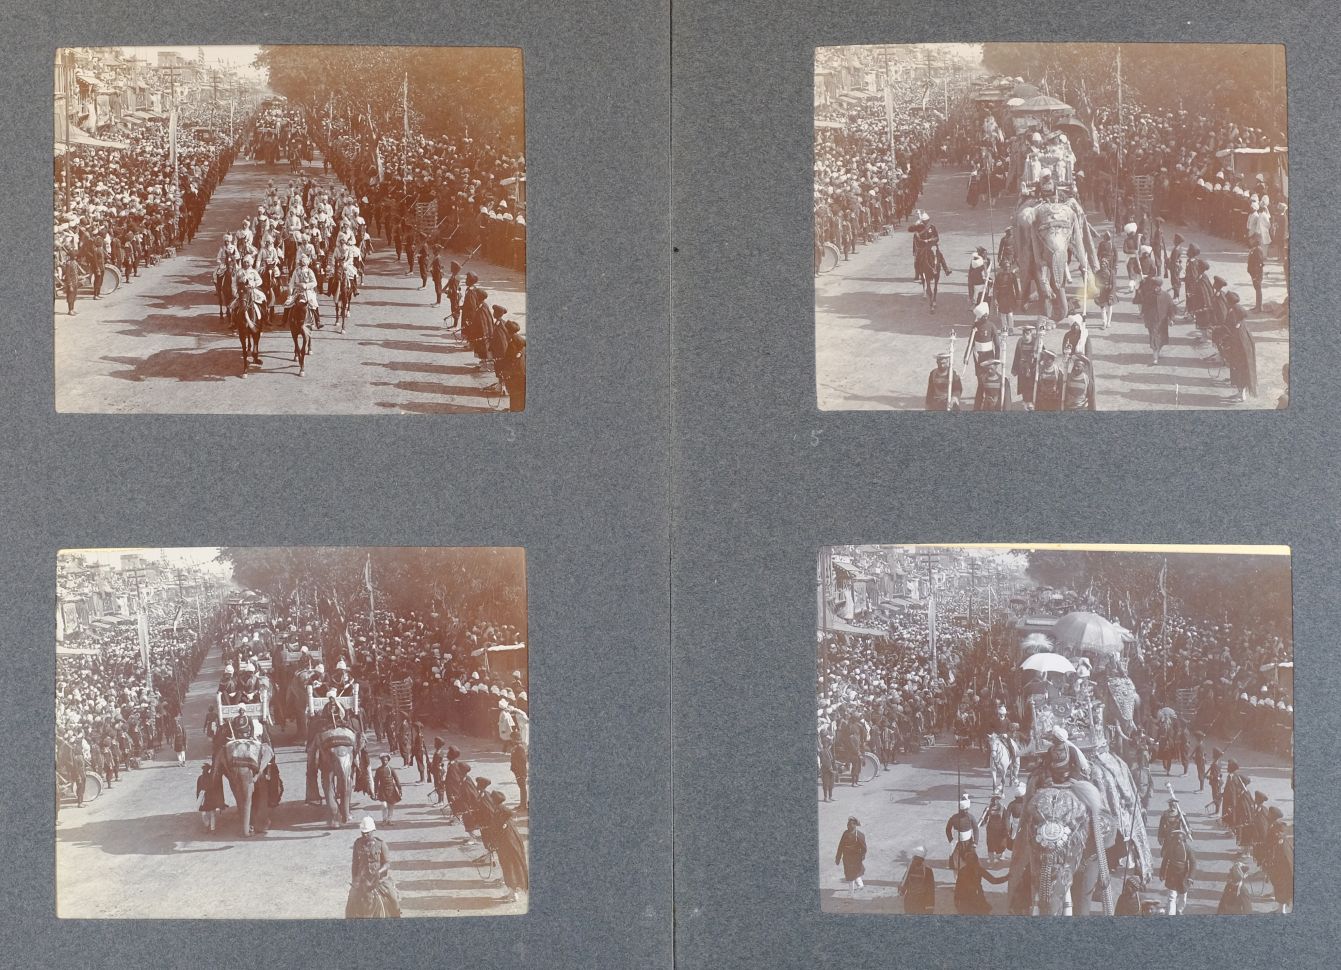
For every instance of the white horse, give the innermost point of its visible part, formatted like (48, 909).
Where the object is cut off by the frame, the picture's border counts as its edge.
(1004, 761)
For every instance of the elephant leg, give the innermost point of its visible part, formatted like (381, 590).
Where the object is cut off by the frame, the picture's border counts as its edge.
(1066, 902)
(332, 796)
(244, 803)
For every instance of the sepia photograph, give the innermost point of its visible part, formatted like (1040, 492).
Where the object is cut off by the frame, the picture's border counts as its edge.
(1051, 227)
(1055, 730)
(291, 733)
(230, 219)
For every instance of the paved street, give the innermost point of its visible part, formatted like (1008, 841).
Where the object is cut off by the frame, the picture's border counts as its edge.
(909, 804)
(140, 851)
(875, 337)
(158, 345)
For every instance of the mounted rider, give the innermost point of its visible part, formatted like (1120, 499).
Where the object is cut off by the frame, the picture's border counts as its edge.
(342, 684)
(250, 286)
(229, 257)
(303, 285)
(1065, 766)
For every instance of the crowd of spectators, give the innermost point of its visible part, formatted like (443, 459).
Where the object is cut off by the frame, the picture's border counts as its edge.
(476, 191)
(876, 692)
(860, 191)
(106, 712)
(120, 207)
(454, 680)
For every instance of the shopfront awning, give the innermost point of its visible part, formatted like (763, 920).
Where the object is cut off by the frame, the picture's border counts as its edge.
(79, 136)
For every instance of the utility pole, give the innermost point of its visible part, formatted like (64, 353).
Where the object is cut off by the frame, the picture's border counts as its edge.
(1119, 107)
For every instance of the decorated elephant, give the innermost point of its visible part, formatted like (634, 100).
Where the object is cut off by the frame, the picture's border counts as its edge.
(1048, 235)
(242, 760)
(1059, 870)
(1056, 867)
(332, 752)
(1122, 704)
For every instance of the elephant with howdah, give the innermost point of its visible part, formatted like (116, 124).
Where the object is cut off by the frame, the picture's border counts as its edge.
(333, 750)
(1048, 236)
(1057, 867)
(242, 761)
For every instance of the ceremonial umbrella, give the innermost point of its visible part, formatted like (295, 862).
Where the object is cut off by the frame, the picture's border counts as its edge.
(1088, 633)
(1048, 663)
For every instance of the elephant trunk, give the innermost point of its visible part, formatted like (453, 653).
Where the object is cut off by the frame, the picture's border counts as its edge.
(244, 785)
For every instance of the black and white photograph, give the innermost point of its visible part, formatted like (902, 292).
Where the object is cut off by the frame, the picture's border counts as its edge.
(1051, 227)
(1055, 730)
(291, 733)
(230, 219)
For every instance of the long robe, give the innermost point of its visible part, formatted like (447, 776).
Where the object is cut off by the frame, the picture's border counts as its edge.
(511, 850)
(1240, 351)
(1157, 311)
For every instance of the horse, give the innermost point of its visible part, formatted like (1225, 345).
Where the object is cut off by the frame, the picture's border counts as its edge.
(1004, 761)
(344, 284)
(248, 317)
(297, 317)
(224, 290)
(928, 264)
(271, 283)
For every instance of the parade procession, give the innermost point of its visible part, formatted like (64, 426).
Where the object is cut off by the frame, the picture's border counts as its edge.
(351, 216)
(1051, 227)
(339, 731)
(1049, 730)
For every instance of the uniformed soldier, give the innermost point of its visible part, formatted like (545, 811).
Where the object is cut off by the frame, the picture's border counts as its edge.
(454, 294)
(1024, 366)
(342, 683)
(1078, 388)
(1048, 383)
(944, 388)
(1171, 821)
(961, 829)
(993, 389)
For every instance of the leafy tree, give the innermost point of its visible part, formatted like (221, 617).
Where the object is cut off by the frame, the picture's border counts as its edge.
(452, 90)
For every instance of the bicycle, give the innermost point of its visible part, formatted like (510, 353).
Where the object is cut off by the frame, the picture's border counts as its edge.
(67, 788)
(486, 864)
(495, 394)
(111, 279)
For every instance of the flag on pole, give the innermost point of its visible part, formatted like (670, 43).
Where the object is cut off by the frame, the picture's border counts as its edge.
(931, 630)
(367, 574)
(172, 136)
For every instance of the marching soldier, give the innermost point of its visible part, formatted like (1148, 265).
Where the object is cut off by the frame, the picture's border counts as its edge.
(1049, 381)
(1024, 366)
(944, 388)
(1078, 388)
(993, 389)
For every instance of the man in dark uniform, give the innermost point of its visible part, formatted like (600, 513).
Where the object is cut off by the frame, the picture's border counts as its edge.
(1078, 389)
(1024, 366)
(1048, 383)
(993, 389)
(1172, 820)
(454, 294)
(241, 726)
(1214, 776)
(943, 386)
(1015, 815)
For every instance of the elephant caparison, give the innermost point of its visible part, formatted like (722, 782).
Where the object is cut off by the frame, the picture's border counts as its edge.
(243, 760)
(1048, 235)
(332, 753)
(1057, 868)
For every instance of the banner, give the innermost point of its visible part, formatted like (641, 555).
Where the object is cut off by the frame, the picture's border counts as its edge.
(931, 630)
(367, 574)
(172, 138)
(402, 695)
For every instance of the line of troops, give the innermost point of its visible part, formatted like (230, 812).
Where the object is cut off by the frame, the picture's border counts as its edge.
(1045, 381)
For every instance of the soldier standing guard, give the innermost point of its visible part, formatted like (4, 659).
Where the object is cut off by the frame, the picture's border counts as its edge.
(1048, 383)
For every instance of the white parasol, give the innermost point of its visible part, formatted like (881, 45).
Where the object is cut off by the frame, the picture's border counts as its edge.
(1048, 663)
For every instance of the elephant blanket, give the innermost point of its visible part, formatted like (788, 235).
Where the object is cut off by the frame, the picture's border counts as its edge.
(245, 753)
(1113, 778)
